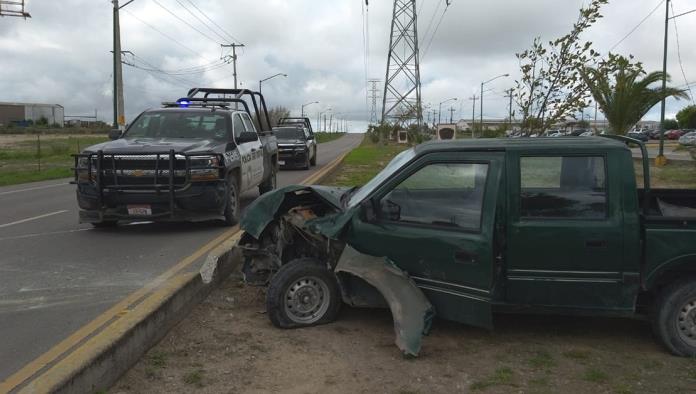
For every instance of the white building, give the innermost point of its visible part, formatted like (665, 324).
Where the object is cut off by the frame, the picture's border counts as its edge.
(18, 112)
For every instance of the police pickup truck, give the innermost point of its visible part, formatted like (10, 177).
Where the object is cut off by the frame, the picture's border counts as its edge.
(187, 161)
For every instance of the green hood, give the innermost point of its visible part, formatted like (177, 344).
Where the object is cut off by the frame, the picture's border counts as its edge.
(268, 207)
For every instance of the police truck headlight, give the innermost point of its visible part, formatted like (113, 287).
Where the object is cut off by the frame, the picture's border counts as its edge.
(204, 168)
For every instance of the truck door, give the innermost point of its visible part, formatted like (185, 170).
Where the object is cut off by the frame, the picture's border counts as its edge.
(436, 221)
(245, 153)
(256, 151)
(566, 233)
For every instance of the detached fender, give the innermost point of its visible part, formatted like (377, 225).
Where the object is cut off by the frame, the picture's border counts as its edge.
(411, 310)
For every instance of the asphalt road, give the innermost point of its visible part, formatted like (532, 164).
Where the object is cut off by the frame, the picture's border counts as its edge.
(57, 275)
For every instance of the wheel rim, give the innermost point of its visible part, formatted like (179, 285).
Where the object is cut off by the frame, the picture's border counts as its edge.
(686, 322)
(307, 300)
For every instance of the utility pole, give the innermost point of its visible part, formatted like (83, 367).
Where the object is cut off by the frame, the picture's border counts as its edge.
(234, 59)
(374, 96)
(451, 114)
(509, 96)
(324, 128)
(661, 160)
(473, 114)
(119, 118)
(331, 122)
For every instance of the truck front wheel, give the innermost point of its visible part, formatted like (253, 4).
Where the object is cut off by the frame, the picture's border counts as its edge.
(303, 293)
(314, 157)
(674, 318)
(270, 183)
(232, 204)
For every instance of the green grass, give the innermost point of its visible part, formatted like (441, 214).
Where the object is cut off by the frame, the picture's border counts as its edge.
(194, 378)
(363, 163)
(23, 161)
(542, 360)
(679, 175)
(326, 137)
(595, 375)
(501, 377)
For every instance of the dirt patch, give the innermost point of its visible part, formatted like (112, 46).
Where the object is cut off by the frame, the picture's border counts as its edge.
(227, 344)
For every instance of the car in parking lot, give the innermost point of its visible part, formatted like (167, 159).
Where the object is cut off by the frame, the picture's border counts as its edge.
(673, 134)
(639, 135)
(295, 147)
(688, 139)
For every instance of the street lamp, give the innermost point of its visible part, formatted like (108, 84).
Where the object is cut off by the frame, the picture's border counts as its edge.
(481, 96)
(439, 112)
(319, 119)
(304, 105)
(272, 76)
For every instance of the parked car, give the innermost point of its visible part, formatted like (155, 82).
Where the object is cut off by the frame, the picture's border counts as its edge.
(638, 135)
(688, 139)
(295, 147)
(466, 228)
(190, 160)
(587, 134)
(673, 134)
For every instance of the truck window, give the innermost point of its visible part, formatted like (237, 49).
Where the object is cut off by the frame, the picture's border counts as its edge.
(248, 124)
(443, 194)
(238, 126)
(572, 187)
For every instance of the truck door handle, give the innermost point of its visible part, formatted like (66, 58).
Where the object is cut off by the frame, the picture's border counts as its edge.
(595, 243)
(464, 257)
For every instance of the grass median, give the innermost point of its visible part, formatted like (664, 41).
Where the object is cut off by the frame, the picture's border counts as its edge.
(363, 163)
(326, 137)
(30, 158)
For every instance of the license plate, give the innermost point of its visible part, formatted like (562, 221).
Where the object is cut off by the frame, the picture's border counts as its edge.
(139, 210)
(281, 162)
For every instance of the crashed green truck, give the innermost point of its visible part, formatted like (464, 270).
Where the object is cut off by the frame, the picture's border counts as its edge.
(465, 229)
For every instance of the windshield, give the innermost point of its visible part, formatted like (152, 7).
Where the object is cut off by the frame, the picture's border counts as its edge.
(183, 124)
(396, 163)
(289, 133)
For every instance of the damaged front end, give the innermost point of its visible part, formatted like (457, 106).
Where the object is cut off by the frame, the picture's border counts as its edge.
(297, 223)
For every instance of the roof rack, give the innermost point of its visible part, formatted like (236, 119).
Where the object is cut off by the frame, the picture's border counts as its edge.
(237, 97)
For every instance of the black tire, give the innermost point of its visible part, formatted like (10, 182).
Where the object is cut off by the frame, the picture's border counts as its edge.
(313, 162)
(232, 201)
(270, 183)
(306, 163)
(301, 284)
(105, 224)
(674, 317)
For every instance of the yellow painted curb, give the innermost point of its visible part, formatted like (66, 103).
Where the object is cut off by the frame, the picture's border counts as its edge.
(58, 366)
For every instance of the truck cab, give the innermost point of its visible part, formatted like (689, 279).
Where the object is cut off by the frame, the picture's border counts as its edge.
(475, 227)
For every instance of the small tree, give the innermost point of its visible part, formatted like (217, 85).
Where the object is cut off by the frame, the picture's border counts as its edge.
(687, 117)
(621, 93)
(551, 89)
(671, 124)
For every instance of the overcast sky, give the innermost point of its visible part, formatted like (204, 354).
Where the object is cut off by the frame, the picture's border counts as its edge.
(61, 55)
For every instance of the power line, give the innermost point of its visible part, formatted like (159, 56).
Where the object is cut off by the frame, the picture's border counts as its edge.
(436, 29)
(214, 23)
(681, 65)
(201, 20)
(185, 22)
(164, 34)
(637, 26)
(432, 19)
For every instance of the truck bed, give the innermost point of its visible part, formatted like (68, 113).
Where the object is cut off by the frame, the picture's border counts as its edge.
(678, 204)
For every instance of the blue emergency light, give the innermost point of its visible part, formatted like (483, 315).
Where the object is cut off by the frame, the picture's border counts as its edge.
(183, 102)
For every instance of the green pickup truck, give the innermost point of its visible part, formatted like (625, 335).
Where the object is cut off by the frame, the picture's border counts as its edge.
(468, 228)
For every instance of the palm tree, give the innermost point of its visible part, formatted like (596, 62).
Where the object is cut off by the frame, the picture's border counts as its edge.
(630, 97)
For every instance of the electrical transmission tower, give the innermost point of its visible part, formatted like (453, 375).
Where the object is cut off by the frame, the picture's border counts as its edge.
(373, 96)
(13, 8)
(401, 101)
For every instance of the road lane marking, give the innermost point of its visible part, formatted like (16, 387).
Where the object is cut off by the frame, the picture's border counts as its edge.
(33, 235)
(33, 218)
(74, 342)
(33, 188)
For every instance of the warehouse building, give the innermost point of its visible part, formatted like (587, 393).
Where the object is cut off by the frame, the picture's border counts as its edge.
(19, 113)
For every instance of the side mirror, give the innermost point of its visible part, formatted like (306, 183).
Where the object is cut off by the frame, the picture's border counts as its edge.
(367, 211)
(390, 210)
(247, 136)
(114, 134)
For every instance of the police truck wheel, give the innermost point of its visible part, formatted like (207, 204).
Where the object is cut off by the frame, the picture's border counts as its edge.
(270, 183)
(232, 204)
(674, 317)
(306, 163)
(314, 158)
(303, 293)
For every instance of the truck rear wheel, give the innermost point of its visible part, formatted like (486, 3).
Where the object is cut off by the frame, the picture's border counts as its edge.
(303, 293)
(270, 183)
(232, 204)
(674, 317)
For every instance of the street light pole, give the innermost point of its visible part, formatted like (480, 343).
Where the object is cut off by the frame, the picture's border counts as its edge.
(439, 112)
(272, 76)
(481, 96)
(304, 105)
(661, 160)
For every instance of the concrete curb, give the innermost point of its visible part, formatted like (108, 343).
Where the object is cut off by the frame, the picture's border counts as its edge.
(106, 351)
